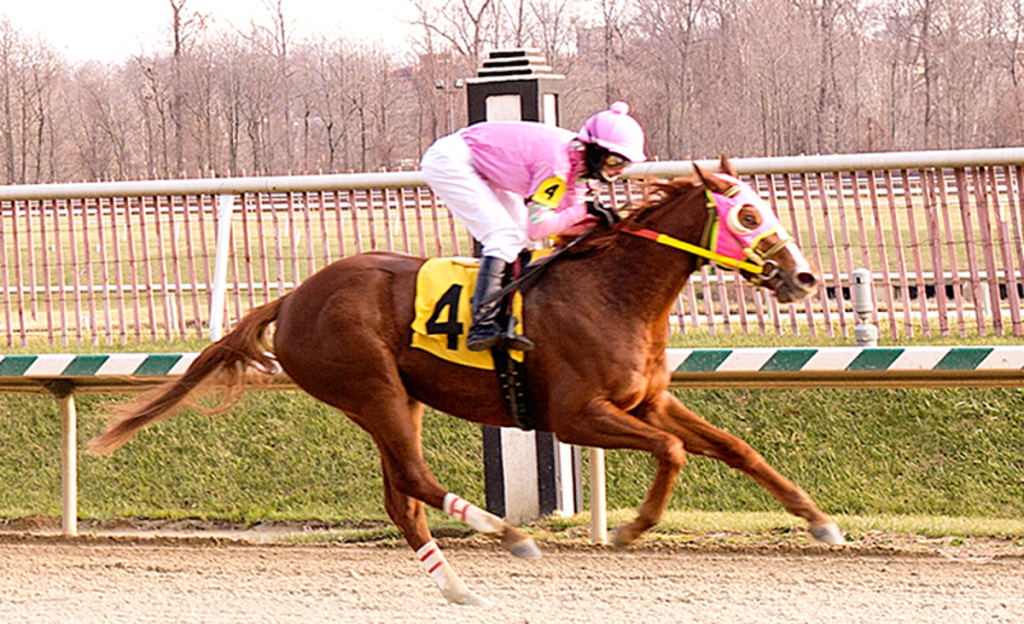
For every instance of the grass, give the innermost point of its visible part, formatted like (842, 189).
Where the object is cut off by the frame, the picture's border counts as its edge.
(877, 454)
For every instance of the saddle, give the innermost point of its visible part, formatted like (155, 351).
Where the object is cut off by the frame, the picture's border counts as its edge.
(443, 288)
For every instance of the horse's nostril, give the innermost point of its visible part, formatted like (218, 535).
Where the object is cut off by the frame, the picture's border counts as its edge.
(806, 279)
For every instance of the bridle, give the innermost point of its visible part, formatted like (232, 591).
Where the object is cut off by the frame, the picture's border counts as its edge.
(755, 262)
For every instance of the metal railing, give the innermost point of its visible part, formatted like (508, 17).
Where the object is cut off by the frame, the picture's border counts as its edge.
(135, 262)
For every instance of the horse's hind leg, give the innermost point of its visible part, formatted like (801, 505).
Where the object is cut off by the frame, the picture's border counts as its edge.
(702, 438)
(408, 515)
(401, 448)
(409, 483)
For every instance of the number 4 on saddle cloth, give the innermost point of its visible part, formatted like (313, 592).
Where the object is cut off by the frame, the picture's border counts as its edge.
(444, 287)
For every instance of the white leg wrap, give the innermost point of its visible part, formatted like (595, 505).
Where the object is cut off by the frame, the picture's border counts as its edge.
(451, 586)
(472, 515)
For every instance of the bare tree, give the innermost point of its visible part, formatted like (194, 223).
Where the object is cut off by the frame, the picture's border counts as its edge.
(200, 77)
(462, 24)
(555, 23)
(277, 39)
(10, 63)
(1005, 39)
(748, 77)
(613, 25)
(185, 27)
(153, 96)
(671, 30)
(42, 74)
(104, 123)
(330, 77)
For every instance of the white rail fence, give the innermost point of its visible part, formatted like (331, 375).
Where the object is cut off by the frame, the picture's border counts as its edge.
(146, 261)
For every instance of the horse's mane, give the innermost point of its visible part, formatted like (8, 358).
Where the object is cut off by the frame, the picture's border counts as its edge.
(658, 197)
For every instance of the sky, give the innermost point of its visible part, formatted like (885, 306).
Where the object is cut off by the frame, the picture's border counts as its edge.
(110, 31)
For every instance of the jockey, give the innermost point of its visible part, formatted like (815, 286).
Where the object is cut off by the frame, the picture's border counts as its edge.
(515, 182)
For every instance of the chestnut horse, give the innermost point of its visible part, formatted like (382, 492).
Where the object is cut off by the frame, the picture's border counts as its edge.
(600, 319)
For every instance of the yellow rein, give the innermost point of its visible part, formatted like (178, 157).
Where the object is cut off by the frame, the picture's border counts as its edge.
(665, 239)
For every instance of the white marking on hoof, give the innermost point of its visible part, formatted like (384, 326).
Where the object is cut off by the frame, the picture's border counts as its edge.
(472, 515)
(828, 533)
(467, 598)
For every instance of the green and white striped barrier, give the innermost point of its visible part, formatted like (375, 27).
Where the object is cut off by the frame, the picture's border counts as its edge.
(750, 367)
(96, 373)
(64, 365)
(847, 366)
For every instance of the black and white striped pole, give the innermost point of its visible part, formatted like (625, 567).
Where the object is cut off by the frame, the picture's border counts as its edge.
(527, 474)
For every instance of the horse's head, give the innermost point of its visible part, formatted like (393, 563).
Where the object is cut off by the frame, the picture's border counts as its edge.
(749, 231)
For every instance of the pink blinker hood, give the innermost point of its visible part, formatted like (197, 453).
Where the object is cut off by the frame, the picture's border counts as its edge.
(730, 238)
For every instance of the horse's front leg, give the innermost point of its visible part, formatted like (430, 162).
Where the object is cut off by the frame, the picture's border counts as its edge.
(703, 438)
(602, 424)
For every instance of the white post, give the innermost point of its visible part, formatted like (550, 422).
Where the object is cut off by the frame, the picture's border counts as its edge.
(862, 290)
(225, 205)
(986, 301)
(598, 502)
(69, 464)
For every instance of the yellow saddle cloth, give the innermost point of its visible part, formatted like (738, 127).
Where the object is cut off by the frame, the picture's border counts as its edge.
(444, 313)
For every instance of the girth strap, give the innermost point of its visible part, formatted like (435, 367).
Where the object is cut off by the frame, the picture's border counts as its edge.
(514, 390)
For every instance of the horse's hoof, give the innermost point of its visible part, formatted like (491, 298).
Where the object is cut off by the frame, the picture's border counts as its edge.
(519, 544)
(828, 533)
(526, 549)
(468, 598)
(620, 541)
(623, 536)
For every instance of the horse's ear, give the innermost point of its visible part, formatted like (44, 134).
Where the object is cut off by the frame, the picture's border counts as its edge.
(725, 166)
(712, 182)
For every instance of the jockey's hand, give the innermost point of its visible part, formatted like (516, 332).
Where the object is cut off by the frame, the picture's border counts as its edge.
(605, 215)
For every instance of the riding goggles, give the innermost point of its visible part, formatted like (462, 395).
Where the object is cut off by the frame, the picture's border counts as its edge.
(614, 160)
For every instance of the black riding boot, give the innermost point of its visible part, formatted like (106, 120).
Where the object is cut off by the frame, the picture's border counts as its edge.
(486, 332)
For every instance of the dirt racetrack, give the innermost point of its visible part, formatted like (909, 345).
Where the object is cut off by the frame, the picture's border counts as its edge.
(96, 579)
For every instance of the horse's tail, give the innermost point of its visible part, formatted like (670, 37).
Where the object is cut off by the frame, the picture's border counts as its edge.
(222, 365)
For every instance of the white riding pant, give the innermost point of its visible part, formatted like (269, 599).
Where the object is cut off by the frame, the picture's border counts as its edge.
(495, 217)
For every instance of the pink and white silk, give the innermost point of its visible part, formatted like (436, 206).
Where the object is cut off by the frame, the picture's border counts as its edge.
(485, 173)
(739, 242)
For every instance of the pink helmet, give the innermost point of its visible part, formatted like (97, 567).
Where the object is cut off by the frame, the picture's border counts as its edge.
(616, 131)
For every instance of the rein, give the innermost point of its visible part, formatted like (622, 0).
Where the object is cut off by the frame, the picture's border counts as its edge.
(533, 270)
(669, 241)
(757, 263)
